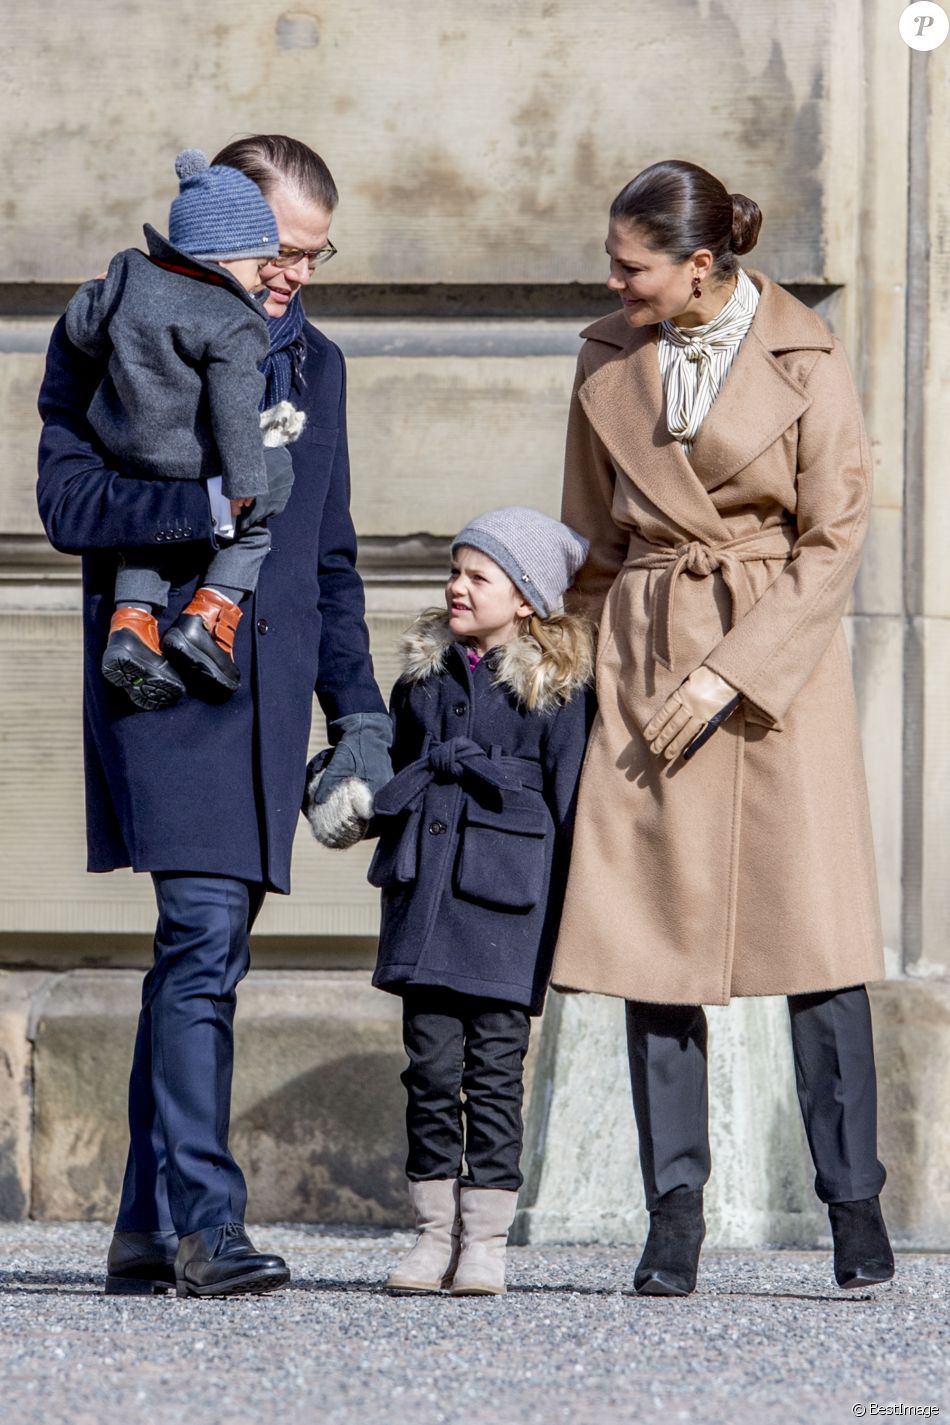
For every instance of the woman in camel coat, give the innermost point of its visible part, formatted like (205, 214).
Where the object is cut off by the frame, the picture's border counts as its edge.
(717, 462)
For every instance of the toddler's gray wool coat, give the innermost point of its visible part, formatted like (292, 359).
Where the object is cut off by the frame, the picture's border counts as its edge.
(181, 395)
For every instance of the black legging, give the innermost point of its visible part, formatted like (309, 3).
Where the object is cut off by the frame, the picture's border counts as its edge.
(459, 1043)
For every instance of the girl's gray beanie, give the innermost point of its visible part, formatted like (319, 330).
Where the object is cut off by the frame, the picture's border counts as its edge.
(540, 555)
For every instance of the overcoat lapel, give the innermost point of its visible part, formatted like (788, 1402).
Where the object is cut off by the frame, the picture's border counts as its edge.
(624, 403)
(738, 429)
(759, 399)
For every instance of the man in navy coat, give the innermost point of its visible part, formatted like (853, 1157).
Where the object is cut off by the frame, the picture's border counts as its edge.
(203, 796)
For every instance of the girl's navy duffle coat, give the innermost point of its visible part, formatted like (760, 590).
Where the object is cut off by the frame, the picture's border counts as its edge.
(475, 828)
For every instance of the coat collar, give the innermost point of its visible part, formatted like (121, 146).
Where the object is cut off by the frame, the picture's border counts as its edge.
(160, 248)
(426, 645)
(781, 323)
(624, 400)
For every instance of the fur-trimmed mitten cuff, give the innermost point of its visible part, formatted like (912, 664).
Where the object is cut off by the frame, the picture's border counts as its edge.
(341, 820)
(281, 424)
(342, 781)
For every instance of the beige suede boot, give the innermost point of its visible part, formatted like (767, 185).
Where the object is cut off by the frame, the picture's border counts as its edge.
(487, 1215)
(430, 1264)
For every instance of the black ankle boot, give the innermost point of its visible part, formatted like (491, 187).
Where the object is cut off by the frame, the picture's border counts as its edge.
(671, 1254)
(219, 1261)
(863, 1255)
(141, 1263)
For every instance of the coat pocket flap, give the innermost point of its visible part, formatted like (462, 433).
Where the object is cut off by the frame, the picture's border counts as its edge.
(517, 821)
(503, 856)
(395, 859)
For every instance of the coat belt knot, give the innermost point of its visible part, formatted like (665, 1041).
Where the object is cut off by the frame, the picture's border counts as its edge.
(457, 759)
(700, 559)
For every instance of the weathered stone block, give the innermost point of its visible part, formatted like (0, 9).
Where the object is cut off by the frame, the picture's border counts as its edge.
(18, 992)
(41, 768)
(318, 1113)
(583, 1179)
(477, 151)
(877, 663)
(82, 1051)
(912, 1048)
(20, 377)
(878, 589)
(927, 740)
(436, 440)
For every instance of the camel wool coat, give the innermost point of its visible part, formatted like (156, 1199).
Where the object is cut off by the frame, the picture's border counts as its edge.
(748, 870)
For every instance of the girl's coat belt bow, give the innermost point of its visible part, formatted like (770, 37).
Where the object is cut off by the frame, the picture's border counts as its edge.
(457, 759)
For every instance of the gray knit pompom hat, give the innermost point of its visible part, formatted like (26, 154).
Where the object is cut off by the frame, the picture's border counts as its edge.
(540, 555)
(219, 212)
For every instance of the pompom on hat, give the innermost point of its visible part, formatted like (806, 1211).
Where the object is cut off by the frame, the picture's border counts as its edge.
(219, 212)
(540, 555)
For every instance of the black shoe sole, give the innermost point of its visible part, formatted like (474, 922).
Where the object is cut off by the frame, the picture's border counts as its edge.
(148, 690)
(658, 1284)
(137, 1286)
(252, 1282)
(865, 1277)
(198, 670)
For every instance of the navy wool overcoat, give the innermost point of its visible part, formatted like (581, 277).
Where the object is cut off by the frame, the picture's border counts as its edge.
(204, 788)
(475, 828)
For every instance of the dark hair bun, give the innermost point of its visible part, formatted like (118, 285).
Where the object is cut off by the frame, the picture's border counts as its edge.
(746, 222)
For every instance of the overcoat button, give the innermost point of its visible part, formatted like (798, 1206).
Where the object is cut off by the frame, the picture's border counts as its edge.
(460, 709)
(262, 625)
(436, 828)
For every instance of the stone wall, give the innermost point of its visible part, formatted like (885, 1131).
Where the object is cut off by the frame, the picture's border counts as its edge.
(476, 151)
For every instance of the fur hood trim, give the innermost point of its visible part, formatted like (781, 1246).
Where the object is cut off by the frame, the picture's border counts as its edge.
(425, 645)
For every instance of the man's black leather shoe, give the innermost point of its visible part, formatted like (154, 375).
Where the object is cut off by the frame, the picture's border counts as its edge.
(220, 1261)
(670, 1258)
(863, 1255)
(141, 1263)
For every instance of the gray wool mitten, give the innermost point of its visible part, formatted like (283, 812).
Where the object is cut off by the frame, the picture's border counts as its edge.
(342, 782)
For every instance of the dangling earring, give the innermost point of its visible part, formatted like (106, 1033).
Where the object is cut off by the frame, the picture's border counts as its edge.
(697, 290)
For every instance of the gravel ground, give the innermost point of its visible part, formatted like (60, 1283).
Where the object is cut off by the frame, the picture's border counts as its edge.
(767, 1334)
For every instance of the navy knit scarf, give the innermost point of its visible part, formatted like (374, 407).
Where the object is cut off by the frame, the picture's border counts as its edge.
(288, 347)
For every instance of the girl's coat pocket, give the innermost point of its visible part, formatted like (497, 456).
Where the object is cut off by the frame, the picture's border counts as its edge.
(502, 857)
(395, 860)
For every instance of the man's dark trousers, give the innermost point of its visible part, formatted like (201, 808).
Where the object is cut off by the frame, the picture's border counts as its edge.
(180, 1175)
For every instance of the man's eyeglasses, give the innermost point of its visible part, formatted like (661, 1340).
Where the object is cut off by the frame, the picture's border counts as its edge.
(290, 256)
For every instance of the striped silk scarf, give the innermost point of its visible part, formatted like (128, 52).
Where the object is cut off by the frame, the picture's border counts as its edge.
(694, 361)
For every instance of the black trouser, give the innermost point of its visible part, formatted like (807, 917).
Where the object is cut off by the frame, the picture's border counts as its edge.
(834, 1073)
(461, 1044)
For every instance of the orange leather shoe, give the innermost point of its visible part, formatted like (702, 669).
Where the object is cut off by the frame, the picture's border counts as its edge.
(133, 661)
(200, 643)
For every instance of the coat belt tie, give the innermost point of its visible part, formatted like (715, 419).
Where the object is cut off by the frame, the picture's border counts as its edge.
(457, 759)
(703, 560)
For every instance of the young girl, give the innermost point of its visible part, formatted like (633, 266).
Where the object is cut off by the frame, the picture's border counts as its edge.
(490, 717)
